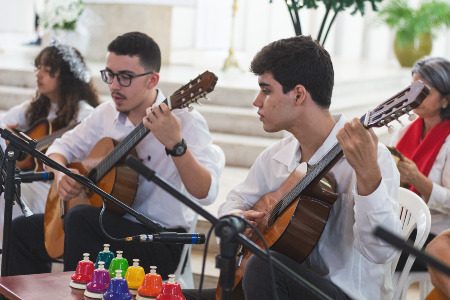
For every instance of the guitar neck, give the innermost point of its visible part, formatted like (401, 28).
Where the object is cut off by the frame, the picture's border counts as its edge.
(122, 148)
(47, 140)
(118, 152)
(314, 175)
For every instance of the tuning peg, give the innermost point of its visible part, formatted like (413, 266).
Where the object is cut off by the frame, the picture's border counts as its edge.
(190, 108)
(412, 117)
(390, 129)
(400, 122)
(207, 99)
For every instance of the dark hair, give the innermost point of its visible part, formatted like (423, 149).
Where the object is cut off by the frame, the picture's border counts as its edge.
(436, 71)
(298, 60)
(71, 90)
(140, 44)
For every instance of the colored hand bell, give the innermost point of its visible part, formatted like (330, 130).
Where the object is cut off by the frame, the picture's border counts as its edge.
(118, 263)
(83, 274)
(105, 256)
(171, 290)
(151, 287)
(99, 282)
(135, 276)
(118, 288)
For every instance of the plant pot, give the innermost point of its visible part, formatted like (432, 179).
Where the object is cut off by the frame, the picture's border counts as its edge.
(408, 54)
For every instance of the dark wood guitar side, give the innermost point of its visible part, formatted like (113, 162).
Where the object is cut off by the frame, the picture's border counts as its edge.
(42, 132)
(296, 214)
(104, 166)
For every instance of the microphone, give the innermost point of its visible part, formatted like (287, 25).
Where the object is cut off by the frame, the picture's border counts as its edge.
(27, 177)
(23, 206)
(170, 238)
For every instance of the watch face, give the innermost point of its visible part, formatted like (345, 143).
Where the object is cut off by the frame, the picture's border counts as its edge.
(180, 150)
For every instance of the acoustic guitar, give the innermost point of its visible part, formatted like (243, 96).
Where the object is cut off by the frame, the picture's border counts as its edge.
(436, 294)
(296, 214)
(104, 166)
(41, 131)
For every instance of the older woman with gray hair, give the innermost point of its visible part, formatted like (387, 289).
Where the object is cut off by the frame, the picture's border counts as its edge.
(425, 145)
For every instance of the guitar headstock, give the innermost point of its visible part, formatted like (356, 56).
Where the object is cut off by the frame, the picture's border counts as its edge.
(396, 106)
(194, 90)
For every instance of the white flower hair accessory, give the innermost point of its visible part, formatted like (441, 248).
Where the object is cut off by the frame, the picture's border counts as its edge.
(77, 66)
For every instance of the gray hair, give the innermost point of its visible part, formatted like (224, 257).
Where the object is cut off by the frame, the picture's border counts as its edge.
(436, 71)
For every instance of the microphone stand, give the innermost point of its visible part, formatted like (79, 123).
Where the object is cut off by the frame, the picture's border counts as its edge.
(12, 153)
(229, 229)
(25, 144)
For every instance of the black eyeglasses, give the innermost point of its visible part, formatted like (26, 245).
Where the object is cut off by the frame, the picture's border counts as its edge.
(123, 79)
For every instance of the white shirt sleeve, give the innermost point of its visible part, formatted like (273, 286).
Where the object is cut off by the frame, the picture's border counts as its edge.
(379, 208)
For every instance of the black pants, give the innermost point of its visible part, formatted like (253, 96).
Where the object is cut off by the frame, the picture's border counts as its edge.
(83, 235)
(257, 282)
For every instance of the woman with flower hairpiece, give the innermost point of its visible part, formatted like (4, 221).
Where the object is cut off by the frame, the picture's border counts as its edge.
(425, 147)
(64, 96)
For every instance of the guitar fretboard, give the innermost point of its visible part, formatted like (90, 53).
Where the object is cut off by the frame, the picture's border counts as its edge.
(311, 176)
(118, 152)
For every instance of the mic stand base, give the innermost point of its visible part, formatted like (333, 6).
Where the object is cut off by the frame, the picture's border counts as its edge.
(228, 229)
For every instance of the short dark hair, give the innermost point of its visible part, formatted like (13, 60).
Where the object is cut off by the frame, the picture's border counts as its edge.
(140, 44)
(298, 60)
(436, 71)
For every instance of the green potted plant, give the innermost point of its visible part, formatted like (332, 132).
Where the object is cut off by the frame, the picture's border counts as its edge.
(414, 27)
(332, 8)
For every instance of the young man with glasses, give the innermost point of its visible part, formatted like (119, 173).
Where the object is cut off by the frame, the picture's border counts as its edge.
(179, 148)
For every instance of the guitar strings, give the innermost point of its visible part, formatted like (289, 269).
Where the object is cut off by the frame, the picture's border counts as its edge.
(123, 147)
(303, 183)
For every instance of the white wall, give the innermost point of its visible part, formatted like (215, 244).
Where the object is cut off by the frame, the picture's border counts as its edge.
(207, 27)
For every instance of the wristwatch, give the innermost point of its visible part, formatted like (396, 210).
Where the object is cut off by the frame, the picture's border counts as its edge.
(178, 150)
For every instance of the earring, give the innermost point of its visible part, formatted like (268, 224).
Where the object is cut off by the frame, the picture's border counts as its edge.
(445, 106)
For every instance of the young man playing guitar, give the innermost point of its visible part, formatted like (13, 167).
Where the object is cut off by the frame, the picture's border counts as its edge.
(296, 80)
(179, 148)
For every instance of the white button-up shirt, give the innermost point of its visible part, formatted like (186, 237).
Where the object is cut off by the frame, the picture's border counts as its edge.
(347, 253)
(150, 199)
(439, 202)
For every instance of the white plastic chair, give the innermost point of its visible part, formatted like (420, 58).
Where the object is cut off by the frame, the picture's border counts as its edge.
(184, 275)
(424, 280)
(414, 214)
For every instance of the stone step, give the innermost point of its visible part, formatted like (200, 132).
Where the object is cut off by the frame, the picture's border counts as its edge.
(13, 95)
(241, 150)
(211, 273)
(235, 120)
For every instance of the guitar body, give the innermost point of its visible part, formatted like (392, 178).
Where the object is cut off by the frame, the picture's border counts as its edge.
(296, 230)
(436, 294)
(120, 181)
(27, 162)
